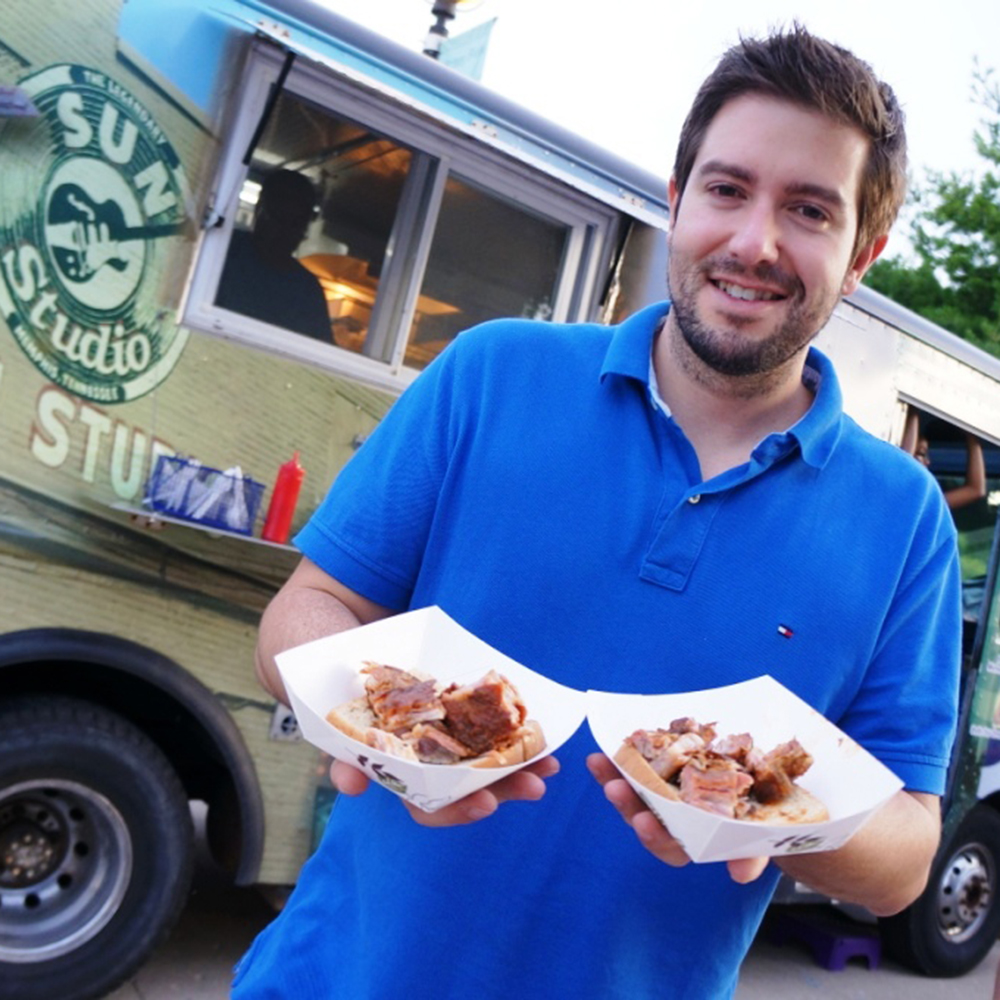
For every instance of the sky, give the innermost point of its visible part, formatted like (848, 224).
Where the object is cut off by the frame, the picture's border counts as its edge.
(623, 74)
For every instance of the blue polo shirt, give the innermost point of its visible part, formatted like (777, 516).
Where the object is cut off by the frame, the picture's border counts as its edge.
(529, 485)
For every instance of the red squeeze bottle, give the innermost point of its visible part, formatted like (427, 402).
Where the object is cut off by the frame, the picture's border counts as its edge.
(281, 509)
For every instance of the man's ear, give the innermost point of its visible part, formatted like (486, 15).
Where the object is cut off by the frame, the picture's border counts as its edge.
(673, 196)
(864, 260)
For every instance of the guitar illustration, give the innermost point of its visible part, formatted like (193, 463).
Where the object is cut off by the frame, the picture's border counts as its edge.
(85, 236)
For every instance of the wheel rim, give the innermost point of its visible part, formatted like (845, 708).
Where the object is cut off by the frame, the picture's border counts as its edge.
(965, 893)
(65, 864)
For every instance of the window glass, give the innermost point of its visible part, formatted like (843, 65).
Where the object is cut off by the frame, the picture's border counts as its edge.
(488, 258)
(314, 220)
(968, 471)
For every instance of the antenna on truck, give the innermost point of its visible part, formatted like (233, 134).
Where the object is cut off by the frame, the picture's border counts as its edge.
(443, 11)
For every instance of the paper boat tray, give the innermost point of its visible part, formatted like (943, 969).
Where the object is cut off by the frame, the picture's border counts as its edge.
(325, 673)
(849, 780)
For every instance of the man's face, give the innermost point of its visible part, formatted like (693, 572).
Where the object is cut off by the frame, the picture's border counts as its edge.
(761, 244)
(284, 219)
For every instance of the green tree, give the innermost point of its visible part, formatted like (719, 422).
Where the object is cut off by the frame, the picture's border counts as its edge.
(955, 233)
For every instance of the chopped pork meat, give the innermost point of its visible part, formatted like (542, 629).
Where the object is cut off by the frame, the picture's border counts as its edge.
(434, 746)
(792, 757)
(415, 719)
(484, 715)
(774, 773)
(400, 700)
(667, 752)
(727, 775)
(737, 747)
(716, 784)
(688, 725)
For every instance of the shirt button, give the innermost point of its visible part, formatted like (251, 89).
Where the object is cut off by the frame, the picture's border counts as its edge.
(695, 499)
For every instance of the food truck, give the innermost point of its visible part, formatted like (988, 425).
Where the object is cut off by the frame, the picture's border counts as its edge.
(169, 168)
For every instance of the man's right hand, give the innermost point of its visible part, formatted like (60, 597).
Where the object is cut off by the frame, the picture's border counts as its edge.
(526, 785)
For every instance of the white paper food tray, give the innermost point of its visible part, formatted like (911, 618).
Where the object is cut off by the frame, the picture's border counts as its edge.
(323, 674)
(849, 780)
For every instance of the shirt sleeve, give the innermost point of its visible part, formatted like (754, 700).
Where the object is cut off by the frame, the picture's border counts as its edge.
(916, 665)
(371, 529)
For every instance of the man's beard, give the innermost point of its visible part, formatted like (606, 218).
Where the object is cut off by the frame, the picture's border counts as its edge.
(724, 349)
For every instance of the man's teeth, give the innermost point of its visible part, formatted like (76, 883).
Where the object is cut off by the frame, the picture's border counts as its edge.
(748, 294)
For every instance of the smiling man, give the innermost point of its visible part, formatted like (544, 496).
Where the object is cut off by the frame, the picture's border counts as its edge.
(783, 192)
(676, 503)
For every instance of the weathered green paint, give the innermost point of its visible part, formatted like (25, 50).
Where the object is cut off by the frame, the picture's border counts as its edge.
(68, 557)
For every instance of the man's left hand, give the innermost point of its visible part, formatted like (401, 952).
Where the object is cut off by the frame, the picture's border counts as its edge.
(652, 834)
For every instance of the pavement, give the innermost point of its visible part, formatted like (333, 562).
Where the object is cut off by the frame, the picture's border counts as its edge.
(220, 921)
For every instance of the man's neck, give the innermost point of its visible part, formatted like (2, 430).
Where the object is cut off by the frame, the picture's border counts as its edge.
(725, 416)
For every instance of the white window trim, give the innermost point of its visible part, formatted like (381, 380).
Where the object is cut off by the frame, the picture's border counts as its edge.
(449, 151)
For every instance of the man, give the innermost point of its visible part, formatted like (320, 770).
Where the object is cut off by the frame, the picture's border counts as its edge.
(262, 277)
(677, 504)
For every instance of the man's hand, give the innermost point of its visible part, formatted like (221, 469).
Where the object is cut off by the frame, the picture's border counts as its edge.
(526, 785)
(650, 831)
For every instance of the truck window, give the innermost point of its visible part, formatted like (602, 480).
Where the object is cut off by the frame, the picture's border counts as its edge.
(968, 471)
(357, 179)
(388, 234)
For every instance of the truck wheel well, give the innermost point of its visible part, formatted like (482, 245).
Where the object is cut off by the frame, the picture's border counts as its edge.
(174, 709)
(993, 801)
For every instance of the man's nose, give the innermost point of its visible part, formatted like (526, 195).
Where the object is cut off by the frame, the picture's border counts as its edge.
(756, 236)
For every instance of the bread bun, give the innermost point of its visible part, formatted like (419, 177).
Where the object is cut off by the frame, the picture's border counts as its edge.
(636, 766)
(356, 719)
(800, 806)
(529, 741)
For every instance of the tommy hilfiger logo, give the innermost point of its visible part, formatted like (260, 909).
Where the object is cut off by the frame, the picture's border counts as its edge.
(785, 631)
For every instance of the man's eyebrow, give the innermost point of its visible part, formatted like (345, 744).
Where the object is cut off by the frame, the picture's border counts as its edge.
(832, 197)
(729, 169)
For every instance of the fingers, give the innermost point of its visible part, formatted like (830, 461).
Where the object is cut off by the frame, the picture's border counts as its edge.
(602, 768)
(346, 779)
(745, 870)
(650, 831)
(527, 785)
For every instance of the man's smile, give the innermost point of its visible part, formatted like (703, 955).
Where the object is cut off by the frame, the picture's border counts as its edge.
(745, 293)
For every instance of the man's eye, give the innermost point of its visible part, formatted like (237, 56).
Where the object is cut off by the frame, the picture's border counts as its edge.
(812, 212)
(725, 190)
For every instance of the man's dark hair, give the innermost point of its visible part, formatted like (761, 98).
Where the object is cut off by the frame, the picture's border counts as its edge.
(285, 190)
(798, 67)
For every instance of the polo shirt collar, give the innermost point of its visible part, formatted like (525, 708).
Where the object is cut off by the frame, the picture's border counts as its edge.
(816, 432)
(632, 343)
(820, 427)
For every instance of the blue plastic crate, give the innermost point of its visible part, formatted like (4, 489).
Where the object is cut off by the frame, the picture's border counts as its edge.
(193, 492)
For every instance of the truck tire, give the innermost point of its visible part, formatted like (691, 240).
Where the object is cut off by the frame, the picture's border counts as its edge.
(952, 926)
(96, 849)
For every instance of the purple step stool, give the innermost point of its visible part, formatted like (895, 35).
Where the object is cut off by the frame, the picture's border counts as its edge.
(832, 937)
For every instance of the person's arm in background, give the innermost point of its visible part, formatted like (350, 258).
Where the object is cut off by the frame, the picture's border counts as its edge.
(911, 431)
(974, 487)
(313, 604)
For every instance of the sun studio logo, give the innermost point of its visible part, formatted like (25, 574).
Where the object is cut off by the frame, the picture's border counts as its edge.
(90, 198)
